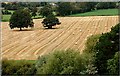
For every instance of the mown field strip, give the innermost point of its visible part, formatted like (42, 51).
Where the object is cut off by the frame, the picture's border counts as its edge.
(82, 38)
(44, 41)
(63, 33)
(71, 34)
(58, 40)
(71, 38)
(80, 35)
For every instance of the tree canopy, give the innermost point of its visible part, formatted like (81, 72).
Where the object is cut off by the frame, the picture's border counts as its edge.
(45, 11)
(106, 48)
(50, 21)
(20, 19)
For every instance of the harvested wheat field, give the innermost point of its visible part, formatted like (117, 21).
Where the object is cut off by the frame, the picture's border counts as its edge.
(71, 33)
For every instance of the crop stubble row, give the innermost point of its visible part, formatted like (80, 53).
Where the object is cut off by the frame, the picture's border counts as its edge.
(71, 34)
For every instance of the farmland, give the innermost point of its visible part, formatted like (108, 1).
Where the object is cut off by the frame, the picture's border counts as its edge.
(72, 33)
(102, 12)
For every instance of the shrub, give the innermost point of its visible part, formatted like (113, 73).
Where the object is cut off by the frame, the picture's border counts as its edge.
(10, 67)
(113, 65)
(91, 42)
(105, 48)
(63, 62)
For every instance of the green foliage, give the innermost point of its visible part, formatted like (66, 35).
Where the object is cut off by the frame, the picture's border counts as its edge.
(34, 11)
(63, 62)
(113, 64)
(20, 19)
(50, 21)
(46, 10)
(100, 12)
(105, 49)
(64, 8)
(105, 5)
(10, 67)
(6, 12)
(91, 43)
(90, 50)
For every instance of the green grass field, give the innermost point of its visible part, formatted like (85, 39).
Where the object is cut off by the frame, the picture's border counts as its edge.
(5, 18)
(105, 12)
(102, 12)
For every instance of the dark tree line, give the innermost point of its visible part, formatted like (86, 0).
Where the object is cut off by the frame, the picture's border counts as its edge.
(17, 5)
(67, 8)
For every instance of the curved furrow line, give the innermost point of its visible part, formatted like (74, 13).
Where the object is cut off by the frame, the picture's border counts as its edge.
(56, 38)
(73, 38)
(107, 22)
(30, 44)
(81, 42)
(50, 38)
(81, 36)
(39, 39)
(13, 38)
(18, 49)
(73, 42)
(98, 25)
(14, 34)
(81, 46)
(66, 42)
(5, 52)
(9, 46)
(60, 40)
(89, 33)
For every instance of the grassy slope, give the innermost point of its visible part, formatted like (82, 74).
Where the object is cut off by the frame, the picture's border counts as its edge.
(106, 12)
(102, 12)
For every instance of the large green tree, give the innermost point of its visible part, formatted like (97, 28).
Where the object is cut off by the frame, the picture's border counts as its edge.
(105, 49)
(50, 21)
(20, 19)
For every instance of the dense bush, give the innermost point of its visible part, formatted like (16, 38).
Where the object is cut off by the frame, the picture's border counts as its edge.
(105, 49)
(91, 43)
(20, 19)
(17, 67)
(63, 62)
(113, 65)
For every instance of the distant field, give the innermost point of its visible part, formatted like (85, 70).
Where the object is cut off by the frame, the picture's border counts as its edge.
(72, 33)
(106, 12)
(103, 12)
(5, 18)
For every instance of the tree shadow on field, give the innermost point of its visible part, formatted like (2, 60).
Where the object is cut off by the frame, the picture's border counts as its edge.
(17, 30)
(53, 28)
